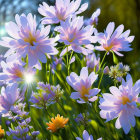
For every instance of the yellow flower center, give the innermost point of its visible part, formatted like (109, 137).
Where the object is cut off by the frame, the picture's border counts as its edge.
(18, 73)
(84, 91)
(31, 39)
(125, 100)
(108, 48)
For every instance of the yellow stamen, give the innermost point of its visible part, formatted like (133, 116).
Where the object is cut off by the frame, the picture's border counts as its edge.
(125, 100)
(31, 39)
(84, 91)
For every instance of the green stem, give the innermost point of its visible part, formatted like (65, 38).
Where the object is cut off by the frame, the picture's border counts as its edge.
(69, 63)
(102, 61)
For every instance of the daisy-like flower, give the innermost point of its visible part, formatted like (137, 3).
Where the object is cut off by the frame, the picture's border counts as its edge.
(9, 96)
(61, 11)
(1, 133)
(122, 104)
(86, 136)
(14, 71)
(94, 18)
(116, 41)
(57, 123)
(83, 84)
(26, 40)
(92, 62)
(74, 35)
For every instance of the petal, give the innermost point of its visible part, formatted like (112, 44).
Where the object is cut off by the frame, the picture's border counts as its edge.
(12, 29)
(84, 73)
(75, 95)
(115, 91)
(110, 29)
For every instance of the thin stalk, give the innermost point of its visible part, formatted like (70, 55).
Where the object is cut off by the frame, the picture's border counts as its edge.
(102, 61)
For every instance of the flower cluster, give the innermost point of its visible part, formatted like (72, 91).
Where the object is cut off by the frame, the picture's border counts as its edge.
(56, 56)
(46, 95)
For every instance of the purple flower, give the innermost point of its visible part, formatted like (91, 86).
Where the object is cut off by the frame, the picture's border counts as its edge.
(83, 84)
(26, 39)
(9, 96)
(92, 62)
(94, 18)
(116, 41)
(74, 35)
(86, 136)
(14, 71)
(121, 104)
(61, 11)
(46, 94)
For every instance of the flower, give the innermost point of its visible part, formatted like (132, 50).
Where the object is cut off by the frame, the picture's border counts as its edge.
(83, 118)
(1, 133)
(26, 39)
(94, 18)
(9, 96)
(57, 123)
(121, 104)
(92, 62)
(61, 11)
(14, 71)
(46, 95)
(116, 41)
(86, 136)
(118, 71)
(82, 84)
(74, 35)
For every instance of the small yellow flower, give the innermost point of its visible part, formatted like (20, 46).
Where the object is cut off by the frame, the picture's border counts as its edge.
(57, 122)
(1, 132)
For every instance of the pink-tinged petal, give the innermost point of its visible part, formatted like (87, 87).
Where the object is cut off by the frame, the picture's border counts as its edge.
(110, 29)
(38, 65)
(77, 138)
(99, 48)
(119, 54)
(117, 124)
(75, 95)
(45, 31)
(115, 91)
(125, 34)
(93, 99)
(81, 101)
(109, 97)
(117, 32)
(130, 38)
(12, 29)
(65, 51)
(82, 8)
(84, 73)
(76, 5)
(92, 77)
(93, 92)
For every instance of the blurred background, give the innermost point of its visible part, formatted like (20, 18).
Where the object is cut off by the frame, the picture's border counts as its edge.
(125, 12)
